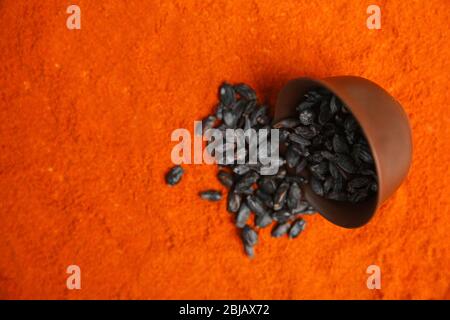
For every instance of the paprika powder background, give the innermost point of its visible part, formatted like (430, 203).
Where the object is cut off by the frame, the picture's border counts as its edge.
(85, 123)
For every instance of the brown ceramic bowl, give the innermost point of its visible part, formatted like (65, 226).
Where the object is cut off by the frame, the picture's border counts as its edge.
(385, 126)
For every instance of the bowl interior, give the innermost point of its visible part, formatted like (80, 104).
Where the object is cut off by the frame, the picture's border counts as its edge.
(344, 214)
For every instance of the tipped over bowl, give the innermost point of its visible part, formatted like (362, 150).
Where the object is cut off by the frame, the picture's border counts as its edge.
(383, 123)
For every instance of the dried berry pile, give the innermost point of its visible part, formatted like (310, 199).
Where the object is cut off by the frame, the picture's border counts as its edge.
(324, 143)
